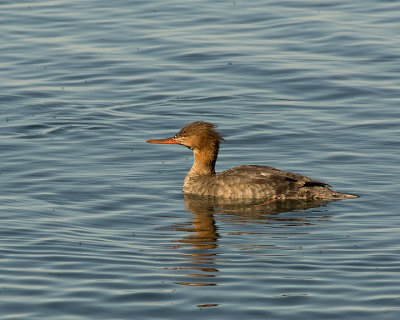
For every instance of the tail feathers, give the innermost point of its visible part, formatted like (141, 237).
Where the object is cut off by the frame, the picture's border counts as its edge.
(347, 196)
(330, 194)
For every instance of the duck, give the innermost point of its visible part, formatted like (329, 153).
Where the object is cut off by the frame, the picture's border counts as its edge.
(245, 181)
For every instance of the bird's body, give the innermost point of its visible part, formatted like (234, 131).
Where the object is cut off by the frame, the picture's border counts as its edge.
(242, 182)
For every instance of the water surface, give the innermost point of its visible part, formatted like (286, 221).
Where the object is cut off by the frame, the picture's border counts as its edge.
(94, 224)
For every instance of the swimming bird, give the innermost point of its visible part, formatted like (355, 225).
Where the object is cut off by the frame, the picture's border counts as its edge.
(242, 182)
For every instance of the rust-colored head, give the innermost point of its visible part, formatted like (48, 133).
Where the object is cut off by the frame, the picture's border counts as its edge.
(196, 136)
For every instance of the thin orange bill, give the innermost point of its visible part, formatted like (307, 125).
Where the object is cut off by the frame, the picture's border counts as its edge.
(163, 141)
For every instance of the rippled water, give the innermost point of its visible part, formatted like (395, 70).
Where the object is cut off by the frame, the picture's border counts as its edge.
(93, 221)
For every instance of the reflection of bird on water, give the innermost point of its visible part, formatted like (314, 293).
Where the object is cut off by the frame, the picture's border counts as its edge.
(247, 210)
(202, 233)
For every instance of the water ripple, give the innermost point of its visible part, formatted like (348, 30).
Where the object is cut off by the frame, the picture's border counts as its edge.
(93, 221)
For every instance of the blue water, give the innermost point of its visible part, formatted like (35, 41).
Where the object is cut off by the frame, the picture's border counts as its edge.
(94, 224)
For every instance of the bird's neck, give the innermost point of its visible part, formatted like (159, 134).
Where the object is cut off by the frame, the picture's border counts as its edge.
(204, 161)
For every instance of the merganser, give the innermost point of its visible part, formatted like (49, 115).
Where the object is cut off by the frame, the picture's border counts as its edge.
(242, 182)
